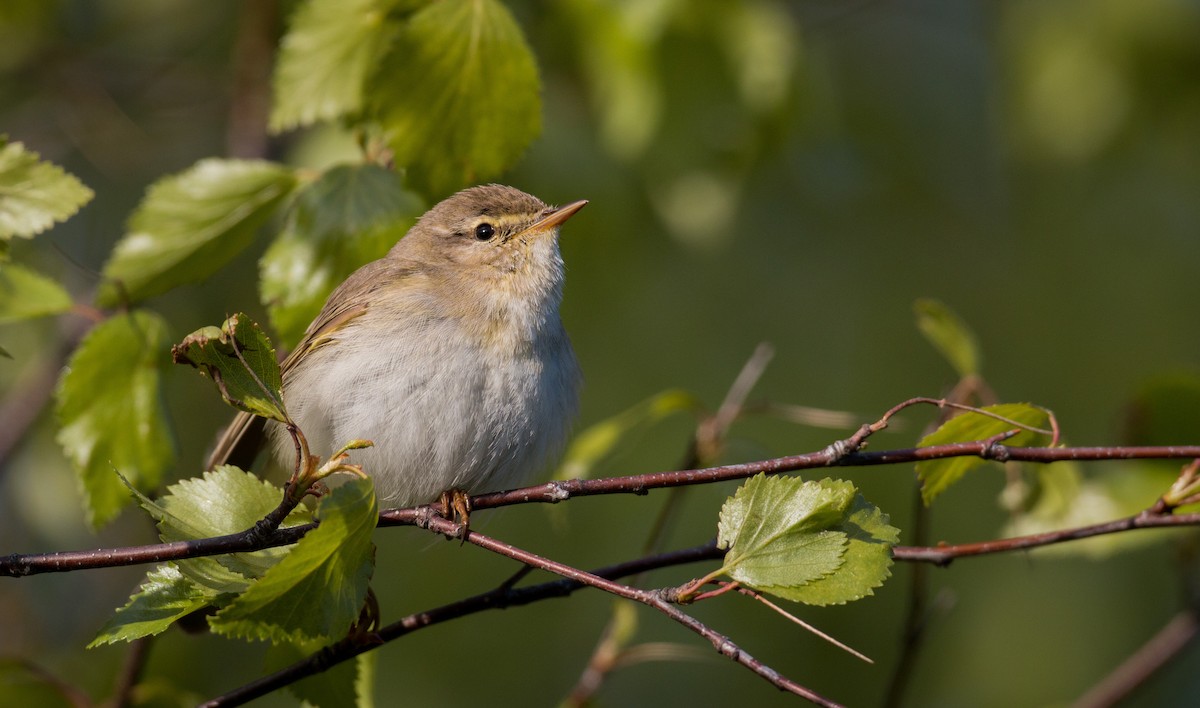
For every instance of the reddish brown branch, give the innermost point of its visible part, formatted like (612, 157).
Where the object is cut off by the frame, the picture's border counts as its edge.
(502, 597)
(944, 554)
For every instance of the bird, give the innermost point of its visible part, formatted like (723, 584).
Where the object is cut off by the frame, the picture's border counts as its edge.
(448, 354)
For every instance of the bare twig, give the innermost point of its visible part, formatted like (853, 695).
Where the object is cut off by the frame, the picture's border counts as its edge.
(943, 555)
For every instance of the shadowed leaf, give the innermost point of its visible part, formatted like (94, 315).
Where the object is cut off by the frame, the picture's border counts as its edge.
(240, 360)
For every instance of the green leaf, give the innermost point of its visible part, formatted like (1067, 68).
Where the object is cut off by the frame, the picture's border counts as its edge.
(458, 94)
(937, 475)
(325, 58)
(110, 411)
(241, 362)
(190, 224)
(866, 564)
(598, 441)
(777, 530)
(25, 294)
(351, 215)
(949, 335)
(165, 596)
(224, 500)
(34, 194)
(317, 591)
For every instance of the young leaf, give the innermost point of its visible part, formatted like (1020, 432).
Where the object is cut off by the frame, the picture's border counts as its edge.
(949, 335)
(241, 362)
(165, 596)
(597, 442)
(350, 215)
(318, 590)
(110, 411)
(937, 475)
(458, 94)
(25, 294)
(779, 530)
(34, 194)
(190, 224)
(866, 564)
(324, 60)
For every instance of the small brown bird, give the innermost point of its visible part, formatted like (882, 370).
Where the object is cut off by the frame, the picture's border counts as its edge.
(448, 353)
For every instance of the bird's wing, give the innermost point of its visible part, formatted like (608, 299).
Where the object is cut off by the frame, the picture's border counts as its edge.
(241, 441)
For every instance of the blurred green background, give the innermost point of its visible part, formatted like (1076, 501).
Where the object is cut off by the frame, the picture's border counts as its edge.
(792, 172)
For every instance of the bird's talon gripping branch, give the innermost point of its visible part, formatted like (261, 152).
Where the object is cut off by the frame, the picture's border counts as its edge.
(456, 506)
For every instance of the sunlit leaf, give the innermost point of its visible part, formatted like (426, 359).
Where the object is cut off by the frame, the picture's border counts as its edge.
(599, 441)
(351, 215)
(25, 294)
(110, 411)
(164, 596)
(777, 530)
(224, 500)
(190, 224)
(866, 564)
(949, 335)
(937, 475)
(330, 48)
(318, 590)
(458, 94)
(240, 360)
(34, 194)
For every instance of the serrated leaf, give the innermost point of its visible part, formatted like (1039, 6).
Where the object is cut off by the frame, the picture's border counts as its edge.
(351, 215)
(318, 590)
(778, 530)
(25, 294)
(458, 94)
(224, 500)
(164, 596)
(953, 339)
(937, 475)
(34, 194)
(110, 411)
(325, 58)
(240, 360)
(866, 564)
(190, 224)
(598, 441)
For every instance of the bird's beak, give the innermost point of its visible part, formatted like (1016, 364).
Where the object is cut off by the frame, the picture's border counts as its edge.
(555, 217)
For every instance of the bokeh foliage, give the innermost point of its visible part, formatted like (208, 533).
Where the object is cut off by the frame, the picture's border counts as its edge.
(798, 172)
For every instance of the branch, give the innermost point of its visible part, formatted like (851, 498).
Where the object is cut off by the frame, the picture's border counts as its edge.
(17, 565)
(500, 598)
(943, 555)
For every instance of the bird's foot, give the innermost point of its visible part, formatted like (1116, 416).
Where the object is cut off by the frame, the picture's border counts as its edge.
(456, 506)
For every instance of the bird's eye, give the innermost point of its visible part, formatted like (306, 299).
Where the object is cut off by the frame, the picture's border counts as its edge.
(485, 232)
